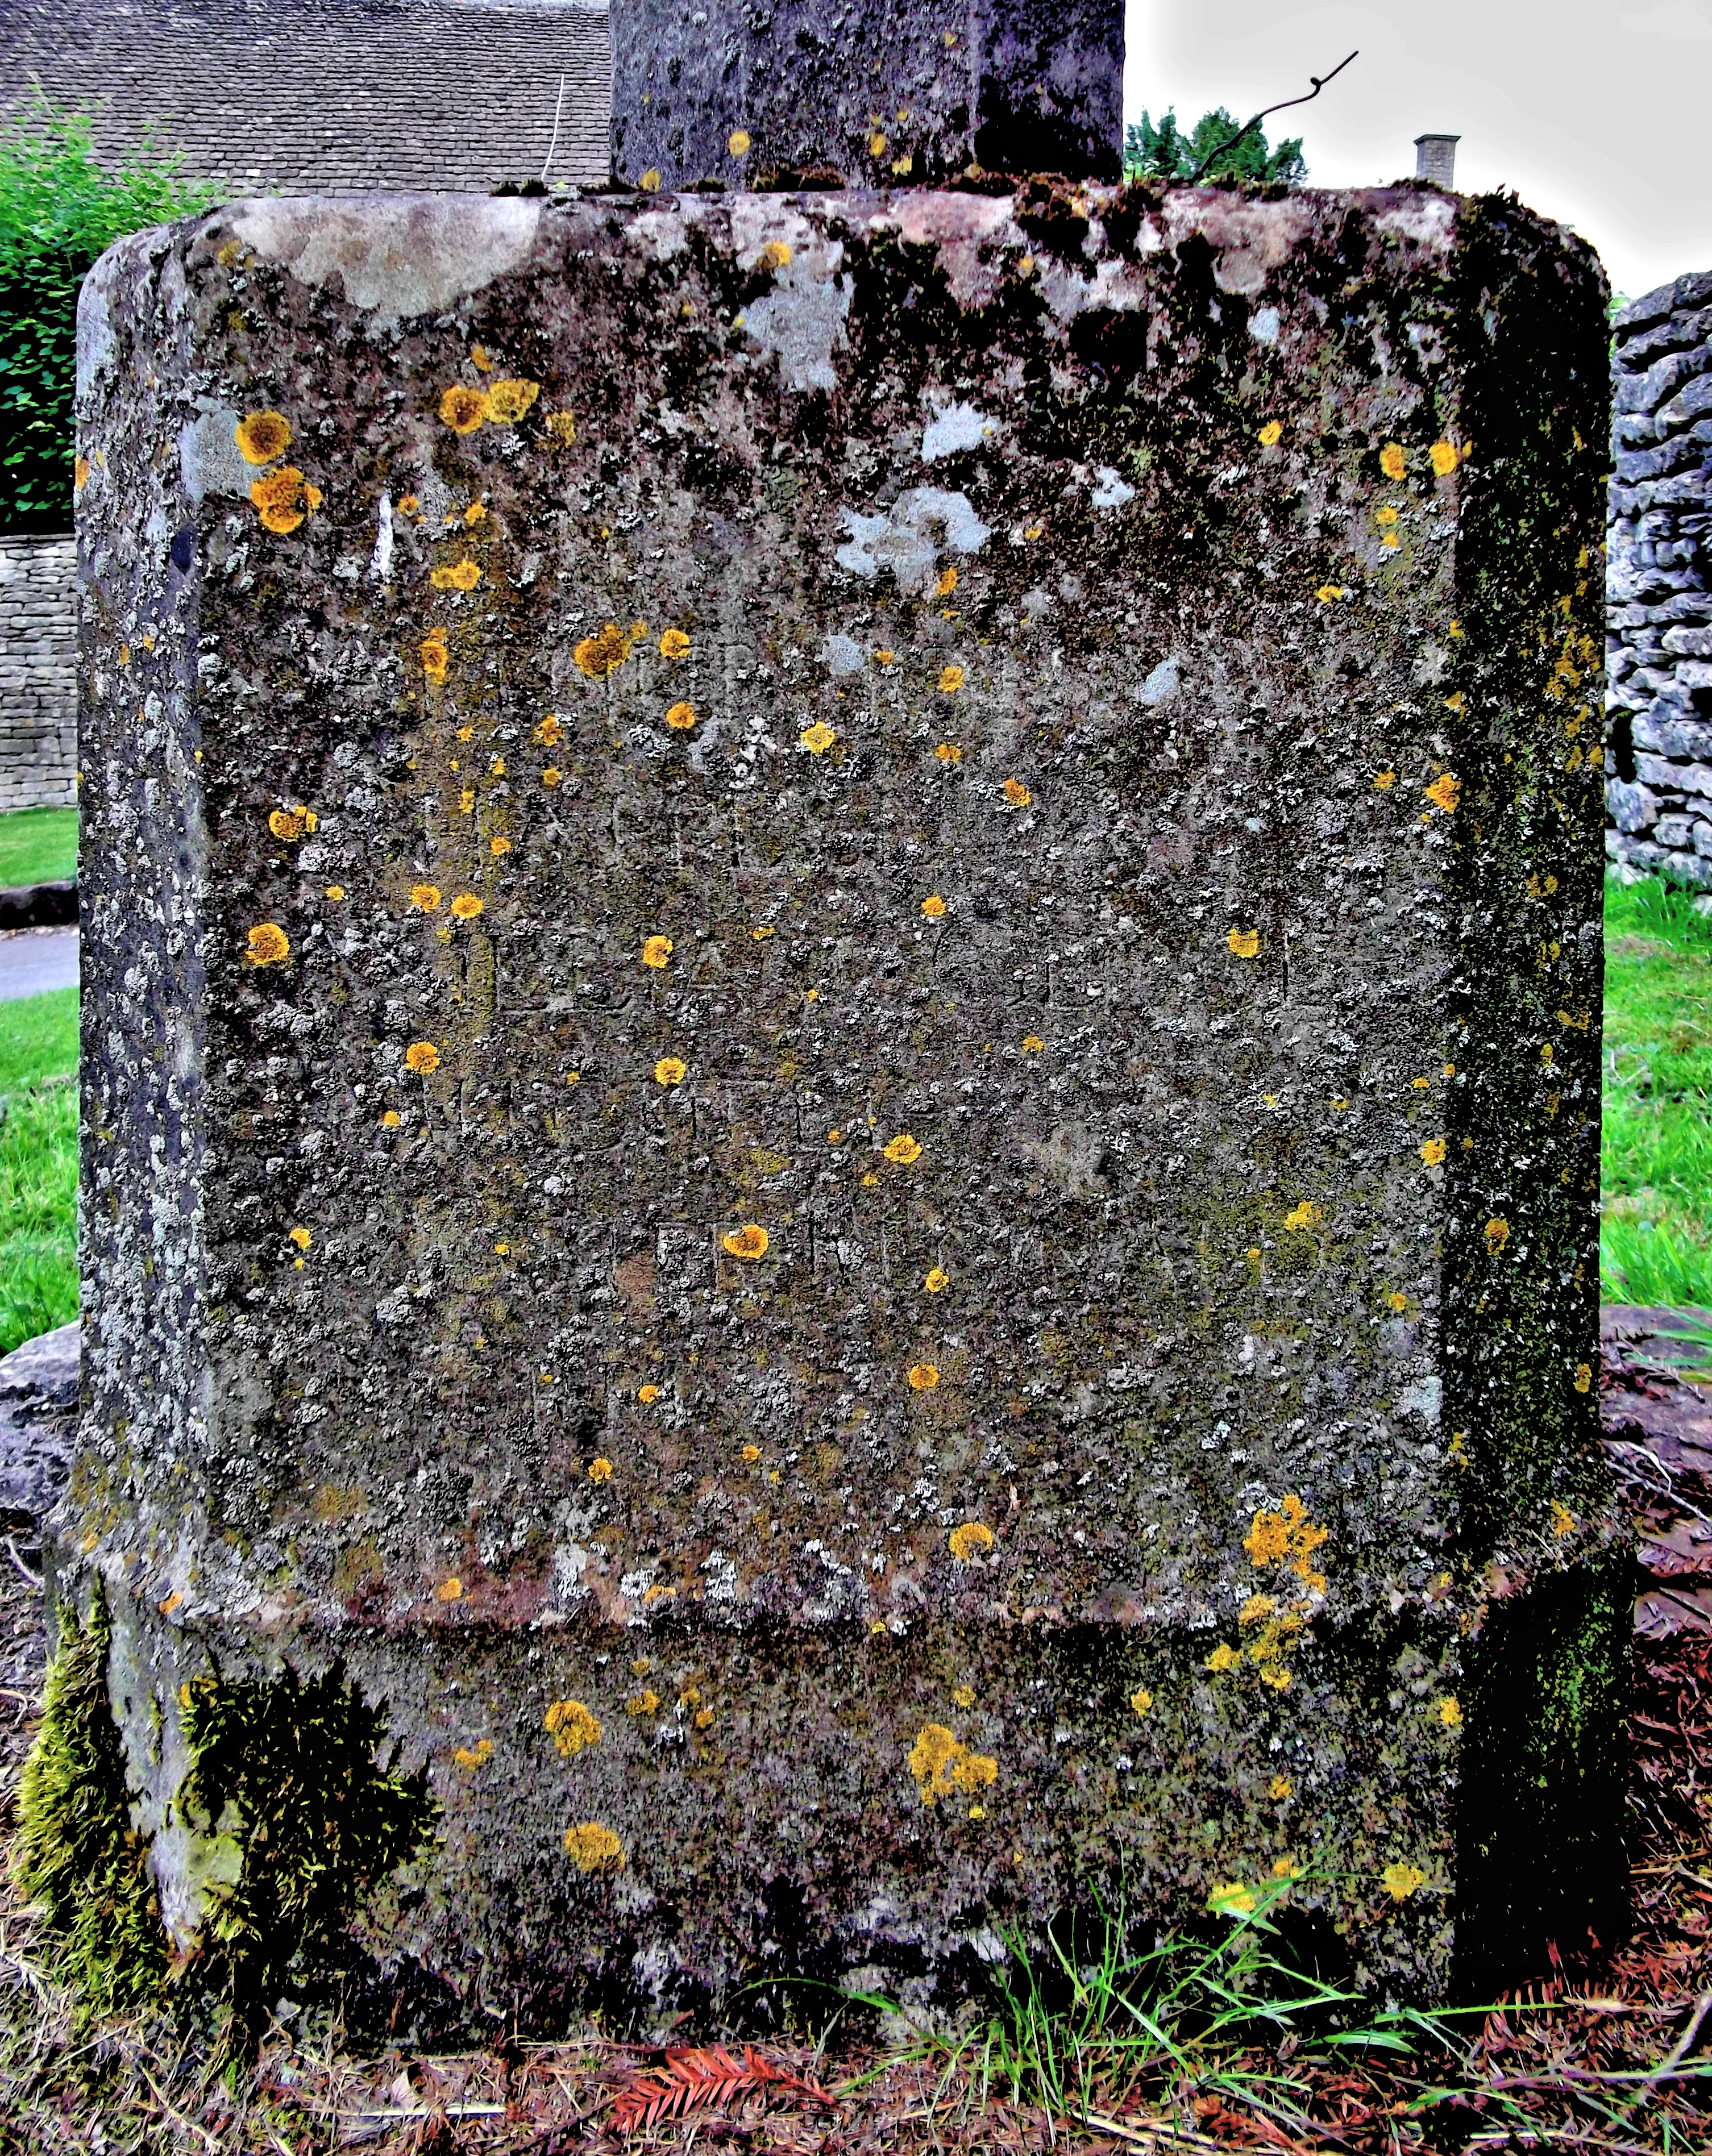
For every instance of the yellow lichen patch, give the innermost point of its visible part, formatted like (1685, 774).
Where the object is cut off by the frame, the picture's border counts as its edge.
(335, 890)
(301, 1236)
(471, 1756)
(1384, 780)
(1563, 1520)
(1433, 1152)
(749, 1455)
(902, 1149)
(671, 1070)
(508, 400)
(947, 583)
(460, 577)
(674, 644)
(933, 906)
(941, 1765)
(1032, 1045)
(1304, 1217)
(1244, 942)
(681, 717)
(449, 1590)
(884, 655)
(1327, 592)
(1400, 1880)
(593, 1848)
(434, 656)
(465, 906)
(1016, 793)
(818, 738)
(648, 1395)
(421, 1056)
(1141, 1701)
(498, 845)
(291, 824)
(1393, 460)
(938, 1280)
(1445, 791)
(1287, 1536)
(263, 436)
(463, 409)
(283, 498)
(748, 1242)
(643, 1703)
(425, 897)
(1398, 1300)
(1286, 1867)
(1233, 1898)
(877, 144)
(476, 513)
(1257, 1610)
(1280, 1788)
(600, 1469)
(571, 1727)
(922, 1377)
(704, 1717)
(391, 1120)
(561, 429)
(481, 359)
(602, 653)
(949, 752)
(656, 951)
(268, 944)
(1272, 433)
(951, 680)
(1223, 1657)
(776, 255)
(79, 474)
(737, 142)
(1584, 1377)
(1385, 514)
(1450, 1712)
(969, 1540)
(1498, 1234)
(1444, 458)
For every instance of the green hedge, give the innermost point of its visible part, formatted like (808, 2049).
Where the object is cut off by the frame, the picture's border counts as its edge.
(58, 211)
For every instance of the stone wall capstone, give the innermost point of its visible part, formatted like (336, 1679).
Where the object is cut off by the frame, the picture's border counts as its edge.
(1658, 615)
(38, 673)
(841, 1061)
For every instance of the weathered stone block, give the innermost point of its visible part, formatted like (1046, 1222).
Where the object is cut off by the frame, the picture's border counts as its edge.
(841, 1034)
(928, 89)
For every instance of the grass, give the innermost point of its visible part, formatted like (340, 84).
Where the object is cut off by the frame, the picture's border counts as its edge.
(1655, 1233)
(38, 1165)
(37, 845)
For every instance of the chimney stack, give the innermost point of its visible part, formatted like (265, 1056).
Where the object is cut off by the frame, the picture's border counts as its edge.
(1435, 159)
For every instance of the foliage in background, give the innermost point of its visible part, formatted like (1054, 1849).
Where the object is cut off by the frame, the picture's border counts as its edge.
(1655, 1242)
(58, 211)
(1164, 152)
(37, 845)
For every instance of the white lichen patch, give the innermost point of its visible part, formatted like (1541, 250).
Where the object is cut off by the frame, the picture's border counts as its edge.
(910, 537)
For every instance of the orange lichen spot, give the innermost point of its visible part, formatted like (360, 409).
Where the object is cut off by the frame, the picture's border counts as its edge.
(884, 655)
(463, 409)
(643, 1703)
(602, 653)
(1385, 514)
(747, 1242)
(283, 498)
(749, 1455)
(1498, 1234)
(1384, 780)
(301, 1236)
(465, 906)
(681, 717)
(948, 582)
(671, 1070)
(1563, 1520)
(902, 1150)
(951, 679)
(877, 144)
(1393, 460)
(1400, 1880)
(461, 577)
(1032, 1045)
(818, 738)
(391, 1120)
(1244, 942)
(421, 1056)
(409, 506)
(922, 1377)
(1304, 1217)
(600, 1469)
(169, 1603)
(760, 934)
(1327, 592)
(1421, 1084)
(1584, 1377)
(425, 897)
(1444, 458)
(449, 1590)
(434, 656)
(949, 752)
(1280, 1788)
(674, 644)
(476, 513)
(499, 845)
(263, 436)
(656, 951)
(1433, 1152)
(1287, 1537)
(508, 400)
(941, 1765)
(648, 1395)
(933, 906)
(1272, 433)
(268, 944)
(776, 255)
(471, 1756)
(561, 429)
(1257, 1610)
(291, 824)
(1457, 702)
(1444, 792)
(481, 359)
(704, 1717)
(970, 1540)
(1223, 1657)
(737, 142)
(595, 1849)
(937, 1280)
(1016, 793)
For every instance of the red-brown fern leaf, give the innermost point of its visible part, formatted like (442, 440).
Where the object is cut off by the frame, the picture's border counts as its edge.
(698, 2077)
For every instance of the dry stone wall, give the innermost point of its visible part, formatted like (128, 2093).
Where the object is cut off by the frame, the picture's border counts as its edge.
(1658, 601)
(38, 673)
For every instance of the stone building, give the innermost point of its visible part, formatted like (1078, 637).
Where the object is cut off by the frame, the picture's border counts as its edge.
(280, 97)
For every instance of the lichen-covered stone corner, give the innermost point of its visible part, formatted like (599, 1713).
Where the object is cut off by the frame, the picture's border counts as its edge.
(924, 90)
(841, 1060)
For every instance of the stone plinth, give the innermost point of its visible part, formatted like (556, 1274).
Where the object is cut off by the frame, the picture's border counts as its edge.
(922, 89)
(841, 1057)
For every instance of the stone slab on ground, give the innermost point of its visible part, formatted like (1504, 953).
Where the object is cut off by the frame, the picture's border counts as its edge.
(842, 1049)
(38, 1425)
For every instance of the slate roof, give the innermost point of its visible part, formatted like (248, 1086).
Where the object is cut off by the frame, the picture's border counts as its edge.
(328, 96)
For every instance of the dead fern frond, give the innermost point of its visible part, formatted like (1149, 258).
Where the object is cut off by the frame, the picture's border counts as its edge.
(698, 2077)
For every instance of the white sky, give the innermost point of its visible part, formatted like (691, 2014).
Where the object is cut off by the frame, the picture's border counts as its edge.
(1596, 114)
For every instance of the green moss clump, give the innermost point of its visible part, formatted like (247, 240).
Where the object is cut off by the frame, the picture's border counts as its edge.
(77, 1856)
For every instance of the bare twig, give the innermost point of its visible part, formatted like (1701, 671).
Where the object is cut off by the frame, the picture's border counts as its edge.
(1320, 82)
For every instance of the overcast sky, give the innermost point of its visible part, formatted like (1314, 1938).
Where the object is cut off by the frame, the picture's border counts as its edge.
(1598, 115)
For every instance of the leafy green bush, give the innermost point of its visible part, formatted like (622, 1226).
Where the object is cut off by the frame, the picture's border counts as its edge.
(58, 211)
(1165, 152)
